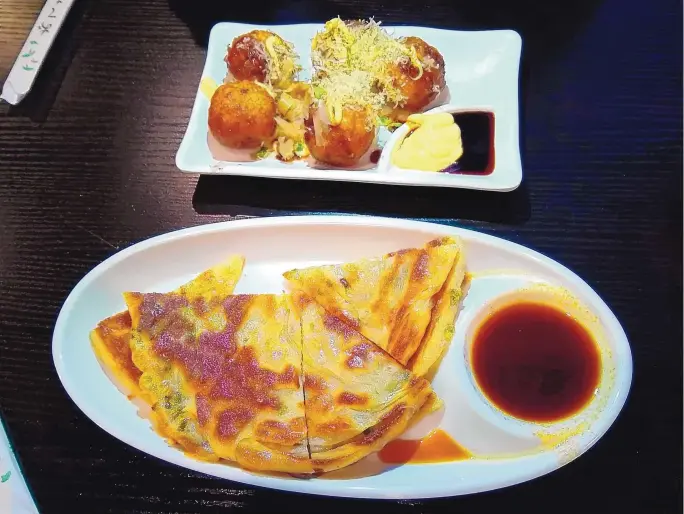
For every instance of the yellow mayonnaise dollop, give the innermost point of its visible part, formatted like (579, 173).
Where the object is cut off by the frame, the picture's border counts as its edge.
(208, 86)
(434, 143)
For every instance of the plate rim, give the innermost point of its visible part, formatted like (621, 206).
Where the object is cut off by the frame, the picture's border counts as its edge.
(330, 487)
(507, 181)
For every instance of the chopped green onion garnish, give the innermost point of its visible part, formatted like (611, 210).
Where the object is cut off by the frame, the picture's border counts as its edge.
(263, 153)
(319, 92)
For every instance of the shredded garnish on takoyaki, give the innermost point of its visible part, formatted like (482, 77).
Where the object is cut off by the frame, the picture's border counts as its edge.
(262, 56)
(414, 87)
(293, 110)
(364, 46)
(362, 78)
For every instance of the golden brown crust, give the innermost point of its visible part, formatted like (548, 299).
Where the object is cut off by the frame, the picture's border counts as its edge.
(237, 363)
(242, 115)
(343, 144)
(110, 341)
(440, 331)
(389, 299)
(278, 382)
(357, 397)
(243, 389)
(389, 427)
(347, 398)
(161, 384)
(278, 432)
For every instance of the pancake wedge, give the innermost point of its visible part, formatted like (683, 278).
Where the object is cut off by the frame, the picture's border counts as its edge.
(432, 404)
(110, 341)
(224, 374)
(111, 338)
(440, 331)
(254, 412)
(161, 384)
(358, 397)
(388, 299)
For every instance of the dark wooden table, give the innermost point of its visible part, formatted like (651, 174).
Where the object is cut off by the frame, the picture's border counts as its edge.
(87, 168)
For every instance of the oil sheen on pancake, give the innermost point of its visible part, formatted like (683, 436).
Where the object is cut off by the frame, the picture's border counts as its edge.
(440, 330)
(160, 385)
(290, 383)
(389, 299)
(110, 342)
(357, 396)
(234, 364)
(111, 338)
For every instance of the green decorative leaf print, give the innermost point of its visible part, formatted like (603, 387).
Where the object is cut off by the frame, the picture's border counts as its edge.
(4, 478)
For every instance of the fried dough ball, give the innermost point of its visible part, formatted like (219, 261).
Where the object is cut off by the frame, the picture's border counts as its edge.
(262, 56)
(342, 144)
(418, 89)
(247, 58)
(242, 115)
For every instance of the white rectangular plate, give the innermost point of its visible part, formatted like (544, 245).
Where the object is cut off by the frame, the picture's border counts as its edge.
(481, 73)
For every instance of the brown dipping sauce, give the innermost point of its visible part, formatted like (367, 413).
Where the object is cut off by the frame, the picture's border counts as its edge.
(535, 362)
(436, 447)
(477, 136)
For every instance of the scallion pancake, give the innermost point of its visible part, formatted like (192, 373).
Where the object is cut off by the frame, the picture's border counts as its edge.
(110, 341)
(358, 397)
(111, 338)
(235, 366)
(254, 412)
(440, 331)
(389, 299)
(302, 383)
(162, 385)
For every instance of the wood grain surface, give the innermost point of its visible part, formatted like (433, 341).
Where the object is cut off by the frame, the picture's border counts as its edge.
(87, 168)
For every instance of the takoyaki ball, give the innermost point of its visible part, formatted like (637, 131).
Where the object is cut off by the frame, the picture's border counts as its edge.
(247, 58)
(344, 143)
(261, 56)
(242, 115)
(418, 87)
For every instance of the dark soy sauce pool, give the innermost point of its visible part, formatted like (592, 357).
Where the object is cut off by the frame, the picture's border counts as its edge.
(477, 134)
(535, 362)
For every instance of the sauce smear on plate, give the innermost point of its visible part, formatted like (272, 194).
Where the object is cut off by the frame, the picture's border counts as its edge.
(436, 447)
(535, 362)
(477, 135)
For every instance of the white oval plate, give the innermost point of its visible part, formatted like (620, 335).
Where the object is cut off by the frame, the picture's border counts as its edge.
(481, 73)
(506, 452)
